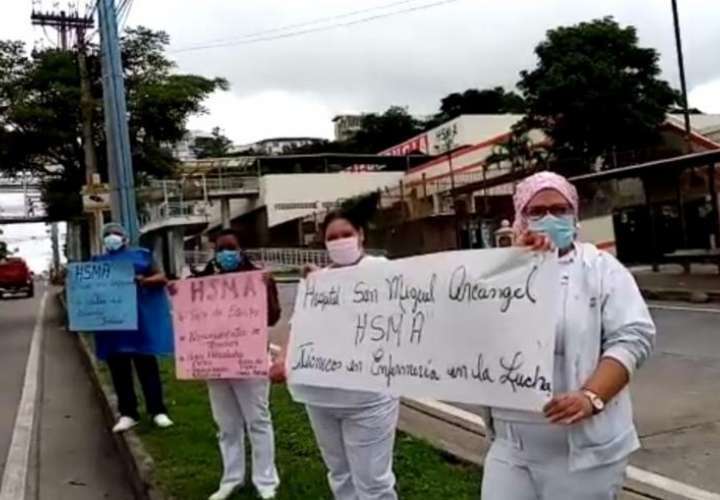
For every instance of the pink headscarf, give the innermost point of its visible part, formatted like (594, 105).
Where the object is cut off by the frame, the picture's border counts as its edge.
(529, 187)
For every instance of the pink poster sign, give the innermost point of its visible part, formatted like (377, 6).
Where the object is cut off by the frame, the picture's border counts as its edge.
(221, 327)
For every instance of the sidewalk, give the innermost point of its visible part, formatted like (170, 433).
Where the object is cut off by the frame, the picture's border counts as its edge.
(670, 283)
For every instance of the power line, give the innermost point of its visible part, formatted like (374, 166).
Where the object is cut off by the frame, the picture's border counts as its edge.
(123, 12)
(293, 34)
(309, 23)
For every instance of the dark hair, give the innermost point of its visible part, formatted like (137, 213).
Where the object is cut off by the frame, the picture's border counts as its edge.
(357, 211)
(228, 232)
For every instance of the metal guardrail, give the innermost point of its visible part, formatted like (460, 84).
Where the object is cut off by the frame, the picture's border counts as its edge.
(165, 211)
(203, 185)
(274, 257)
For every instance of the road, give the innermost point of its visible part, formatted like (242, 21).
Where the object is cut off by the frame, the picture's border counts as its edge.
(676, 394)
(62, 449)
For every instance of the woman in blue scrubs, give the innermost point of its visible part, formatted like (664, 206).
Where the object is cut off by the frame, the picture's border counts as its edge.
(124, 349)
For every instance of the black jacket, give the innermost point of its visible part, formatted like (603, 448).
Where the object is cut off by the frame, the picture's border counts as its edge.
(273, 301)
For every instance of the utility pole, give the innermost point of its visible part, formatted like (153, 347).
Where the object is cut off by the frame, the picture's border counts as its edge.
(64, 23)
(122, 182)
(681, 68)
(86, 110)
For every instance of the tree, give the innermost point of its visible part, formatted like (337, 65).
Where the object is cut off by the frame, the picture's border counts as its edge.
(378, 131)
(595, 92)
(518, 153)
(40, 112)
(381, 131)
(215, 146)
(492, 101)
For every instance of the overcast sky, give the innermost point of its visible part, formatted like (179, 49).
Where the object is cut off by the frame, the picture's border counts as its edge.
(295, 85)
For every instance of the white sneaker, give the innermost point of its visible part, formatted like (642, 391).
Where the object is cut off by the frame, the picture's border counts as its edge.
(267, 493)
(224, 492)
(162, 421)
(124, 424)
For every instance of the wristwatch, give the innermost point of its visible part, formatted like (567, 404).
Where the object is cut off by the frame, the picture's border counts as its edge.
(597, 403)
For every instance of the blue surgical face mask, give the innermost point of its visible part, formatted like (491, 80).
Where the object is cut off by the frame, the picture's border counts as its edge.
(113, 242)
(561, 230)
(228, 260)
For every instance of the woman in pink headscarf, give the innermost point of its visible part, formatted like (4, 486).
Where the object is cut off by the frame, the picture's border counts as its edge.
(578, 448)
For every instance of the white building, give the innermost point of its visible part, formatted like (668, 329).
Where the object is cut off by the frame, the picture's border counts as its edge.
(277, 145)
(183, 149)
(346, 126)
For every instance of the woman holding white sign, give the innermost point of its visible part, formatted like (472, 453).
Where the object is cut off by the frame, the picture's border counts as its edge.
(243, 404)
(579, 447)
(355, 430)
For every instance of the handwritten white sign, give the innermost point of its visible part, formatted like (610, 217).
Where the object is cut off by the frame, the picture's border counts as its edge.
(472, 326)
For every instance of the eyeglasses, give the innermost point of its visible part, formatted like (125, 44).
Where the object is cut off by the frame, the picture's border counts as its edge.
(540, 211)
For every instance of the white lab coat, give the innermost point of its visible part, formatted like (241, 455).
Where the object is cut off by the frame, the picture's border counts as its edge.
(602, 314)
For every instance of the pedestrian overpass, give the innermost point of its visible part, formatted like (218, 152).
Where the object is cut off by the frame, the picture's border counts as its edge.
(30, 209)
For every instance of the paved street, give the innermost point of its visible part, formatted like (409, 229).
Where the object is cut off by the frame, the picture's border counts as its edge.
(676, 396)
(71, 453)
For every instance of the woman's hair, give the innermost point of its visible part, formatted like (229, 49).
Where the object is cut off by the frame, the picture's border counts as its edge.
(358, 211)
(228, 232)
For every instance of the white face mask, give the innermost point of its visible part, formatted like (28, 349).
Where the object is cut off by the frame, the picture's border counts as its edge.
(345, 251)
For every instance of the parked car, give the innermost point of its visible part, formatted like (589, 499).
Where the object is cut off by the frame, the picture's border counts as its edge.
(16, 277)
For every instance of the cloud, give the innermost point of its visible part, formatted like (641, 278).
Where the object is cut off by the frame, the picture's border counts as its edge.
(412, 59)
(706, 97)
(270, 113)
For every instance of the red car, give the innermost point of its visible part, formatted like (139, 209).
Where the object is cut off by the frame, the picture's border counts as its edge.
(15, 277)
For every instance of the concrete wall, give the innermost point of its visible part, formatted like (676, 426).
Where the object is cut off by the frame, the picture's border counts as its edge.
(292, 196)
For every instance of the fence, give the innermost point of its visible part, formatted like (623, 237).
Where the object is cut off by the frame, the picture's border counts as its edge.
(167, 210)
(274, 258)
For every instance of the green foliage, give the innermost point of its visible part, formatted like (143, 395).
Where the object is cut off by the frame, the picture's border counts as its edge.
(215, 146)
(40, 119)
(595, 91)
(187, 460)
(378, 131)
(519, 153)
(490, 101)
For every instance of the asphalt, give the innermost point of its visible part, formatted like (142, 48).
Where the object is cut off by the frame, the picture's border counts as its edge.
(72, 453)
(676, 397)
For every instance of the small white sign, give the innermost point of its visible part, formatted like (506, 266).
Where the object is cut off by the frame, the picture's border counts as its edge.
(472, 326)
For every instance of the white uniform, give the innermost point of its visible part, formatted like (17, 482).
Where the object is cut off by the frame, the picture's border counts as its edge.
(355, 431)
(531, 459)
(238, 405)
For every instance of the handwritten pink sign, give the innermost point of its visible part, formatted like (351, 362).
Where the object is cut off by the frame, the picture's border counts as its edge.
(221, 327)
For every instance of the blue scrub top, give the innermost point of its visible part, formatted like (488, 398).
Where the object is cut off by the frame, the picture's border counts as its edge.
(155, 332)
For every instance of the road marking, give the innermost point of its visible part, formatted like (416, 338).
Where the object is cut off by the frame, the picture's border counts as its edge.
(670, 485)
(662, 307)
(15, 476)
(636, 474)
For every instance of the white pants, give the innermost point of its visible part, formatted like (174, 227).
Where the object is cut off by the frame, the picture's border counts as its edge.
(357, 447)
(237, 405)
(530, 462)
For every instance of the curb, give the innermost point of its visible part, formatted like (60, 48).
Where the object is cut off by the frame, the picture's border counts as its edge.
(139, 465)
(475, 428)
(681, 295)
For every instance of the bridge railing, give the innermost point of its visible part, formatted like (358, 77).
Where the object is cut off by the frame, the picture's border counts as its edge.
(168, 210)
(274, 258)
(201, 186)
